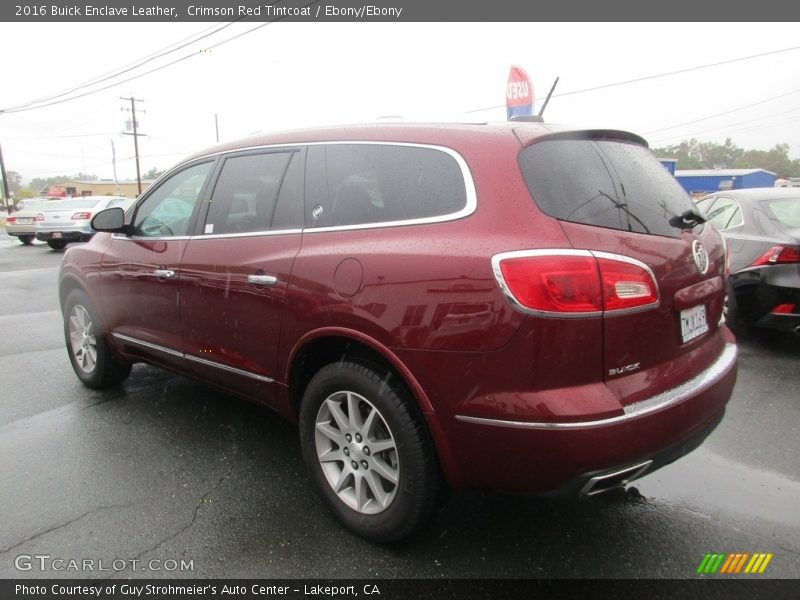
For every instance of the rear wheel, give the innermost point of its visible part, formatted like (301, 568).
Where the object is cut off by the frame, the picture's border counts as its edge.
(367, 452)
(93, 361)
(27, 239)
(57, 244)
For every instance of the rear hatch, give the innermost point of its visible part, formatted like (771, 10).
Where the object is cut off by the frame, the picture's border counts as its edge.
(613, 198)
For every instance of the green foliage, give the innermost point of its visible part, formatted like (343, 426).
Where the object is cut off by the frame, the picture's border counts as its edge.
(41, 182)
(692, 154)
(153, 173)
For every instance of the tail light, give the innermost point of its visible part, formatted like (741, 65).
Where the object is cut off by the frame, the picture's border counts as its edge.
(574, 282)
(39, 217)
(11, 220)
(81, 216)
(778, 255)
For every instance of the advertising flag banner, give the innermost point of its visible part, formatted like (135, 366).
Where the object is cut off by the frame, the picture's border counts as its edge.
(519, 93)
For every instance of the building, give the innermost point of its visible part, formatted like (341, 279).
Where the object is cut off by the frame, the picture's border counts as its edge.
(703, 181)
(669, 164)
(100, 187)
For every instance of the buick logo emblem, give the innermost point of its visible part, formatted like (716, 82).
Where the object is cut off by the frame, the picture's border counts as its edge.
(700, 257)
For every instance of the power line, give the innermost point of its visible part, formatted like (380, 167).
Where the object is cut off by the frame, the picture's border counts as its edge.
(727, 112)
(648, 77)
(728, 126)
(121, 70)
(218, 44)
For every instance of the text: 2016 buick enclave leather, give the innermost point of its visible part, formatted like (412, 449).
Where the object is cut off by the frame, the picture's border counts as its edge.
(516, 307)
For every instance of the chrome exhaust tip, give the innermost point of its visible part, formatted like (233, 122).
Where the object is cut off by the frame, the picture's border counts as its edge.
(608, 481)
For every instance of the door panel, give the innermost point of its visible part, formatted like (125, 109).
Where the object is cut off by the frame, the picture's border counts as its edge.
(139, 273)
(235, 275)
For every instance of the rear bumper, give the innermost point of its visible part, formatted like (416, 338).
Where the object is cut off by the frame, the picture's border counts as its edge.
(546, 456)
(68, 235)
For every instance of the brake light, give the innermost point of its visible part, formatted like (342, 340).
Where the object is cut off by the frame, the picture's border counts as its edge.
(778, 255)
(574, 282)
(39, 217)
(11, 219)
(626, 285)
(783, 309)
(81, 216)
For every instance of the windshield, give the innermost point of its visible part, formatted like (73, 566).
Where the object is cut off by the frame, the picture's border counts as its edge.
(607, 183)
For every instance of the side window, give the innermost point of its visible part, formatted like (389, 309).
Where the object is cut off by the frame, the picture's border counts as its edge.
(252, 194)
(355, 184)
(725, 213)
(168, 210)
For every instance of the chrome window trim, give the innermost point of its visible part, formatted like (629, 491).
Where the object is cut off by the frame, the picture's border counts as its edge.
(501, 282)
(471, 203)
(140, 238)
(203, 361)
(217, 236)
(667, 399)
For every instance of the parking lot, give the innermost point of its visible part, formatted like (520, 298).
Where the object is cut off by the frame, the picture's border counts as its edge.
(166, 477)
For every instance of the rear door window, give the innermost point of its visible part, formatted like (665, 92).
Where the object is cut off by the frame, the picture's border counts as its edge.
(255, 192)
(607, 183)
(724, 214)
(359, 184)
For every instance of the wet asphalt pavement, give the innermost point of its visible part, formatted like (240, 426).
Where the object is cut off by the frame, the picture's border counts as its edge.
(166, 468)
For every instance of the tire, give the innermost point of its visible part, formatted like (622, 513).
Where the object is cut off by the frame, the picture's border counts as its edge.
(27, 240)
(92, 360)
(384, 495)
(733, 316)
(57, 244)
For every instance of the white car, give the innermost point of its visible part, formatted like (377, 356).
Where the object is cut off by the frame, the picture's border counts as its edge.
(70, 220)
(22, 222)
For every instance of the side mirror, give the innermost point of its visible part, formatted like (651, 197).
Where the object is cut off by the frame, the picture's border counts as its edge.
(111, 220)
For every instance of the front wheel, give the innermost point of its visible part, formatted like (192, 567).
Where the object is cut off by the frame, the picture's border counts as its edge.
(92, 360)
(367, 452)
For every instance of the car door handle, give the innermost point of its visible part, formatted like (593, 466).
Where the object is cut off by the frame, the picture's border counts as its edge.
(164, 273)
(262, 279)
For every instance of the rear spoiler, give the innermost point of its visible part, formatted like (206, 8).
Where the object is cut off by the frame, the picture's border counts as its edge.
(528, 136)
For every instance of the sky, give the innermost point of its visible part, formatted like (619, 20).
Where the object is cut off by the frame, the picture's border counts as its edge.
(295, 75)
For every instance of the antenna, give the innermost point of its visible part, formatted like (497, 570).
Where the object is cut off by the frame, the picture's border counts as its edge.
(546, 100)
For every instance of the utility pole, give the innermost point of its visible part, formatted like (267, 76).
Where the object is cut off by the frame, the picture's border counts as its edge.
(5, 182)
(135, 135)
(216, 126)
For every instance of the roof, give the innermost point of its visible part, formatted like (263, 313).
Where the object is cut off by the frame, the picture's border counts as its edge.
(443, 134)
(762, 193)
(718, 172)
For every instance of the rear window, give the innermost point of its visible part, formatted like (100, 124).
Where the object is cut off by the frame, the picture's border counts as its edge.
(787, 211)
(76, 203)
(613, 184)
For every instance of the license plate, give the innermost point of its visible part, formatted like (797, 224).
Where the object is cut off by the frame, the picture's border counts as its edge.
(55, 235)
(693, 323)
(23, 220)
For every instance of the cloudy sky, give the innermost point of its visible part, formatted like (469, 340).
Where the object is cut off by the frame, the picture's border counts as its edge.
(291, 75)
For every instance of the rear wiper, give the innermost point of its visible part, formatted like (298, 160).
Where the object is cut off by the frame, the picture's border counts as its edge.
(688, 219)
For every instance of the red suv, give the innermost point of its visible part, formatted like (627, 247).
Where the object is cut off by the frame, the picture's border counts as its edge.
(517, 306)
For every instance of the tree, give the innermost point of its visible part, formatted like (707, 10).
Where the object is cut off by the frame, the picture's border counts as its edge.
(692, 154)
(153, 173)
(14, 181)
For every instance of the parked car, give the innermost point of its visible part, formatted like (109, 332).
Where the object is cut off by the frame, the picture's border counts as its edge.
(762, 230)
(514, 307)
(70, 220)
(22, 223)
